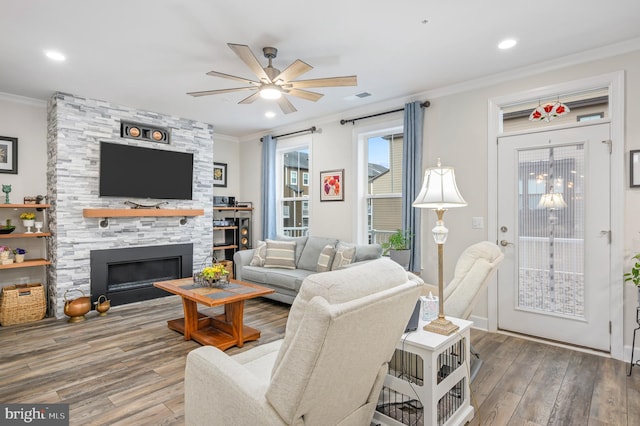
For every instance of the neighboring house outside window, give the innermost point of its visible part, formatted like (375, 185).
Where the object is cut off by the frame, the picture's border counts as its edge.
(293, 204)
(380, 184)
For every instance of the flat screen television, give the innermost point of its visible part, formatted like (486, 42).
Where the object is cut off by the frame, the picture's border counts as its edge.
(133, 171)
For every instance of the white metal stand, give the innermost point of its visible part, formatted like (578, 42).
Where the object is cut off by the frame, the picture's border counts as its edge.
(428, 380)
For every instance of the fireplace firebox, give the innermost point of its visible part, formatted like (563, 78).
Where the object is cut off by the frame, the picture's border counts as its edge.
(127, 275)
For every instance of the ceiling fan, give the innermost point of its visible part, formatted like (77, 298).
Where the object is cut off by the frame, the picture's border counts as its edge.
(274, 83)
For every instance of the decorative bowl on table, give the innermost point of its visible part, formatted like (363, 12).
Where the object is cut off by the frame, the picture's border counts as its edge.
(7, 229)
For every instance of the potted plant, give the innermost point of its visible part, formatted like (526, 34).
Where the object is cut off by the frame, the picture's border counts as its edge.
(19, 254)
(634, 275)
(399, 247)
(210, 275)
(28, 220)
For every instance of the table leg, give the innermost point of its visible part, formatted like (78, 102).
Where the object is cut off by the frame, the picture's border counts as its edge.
(235, 312)
(190, 317)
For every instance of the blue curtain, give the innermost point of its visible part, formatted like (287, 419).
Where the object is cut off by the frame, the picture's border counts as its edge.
(412, 176)
(268, 201)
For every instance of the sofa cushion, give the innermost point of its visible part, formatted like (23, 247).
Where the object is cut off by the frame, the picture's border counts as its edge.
(345, 253)
(326, 258)
(280, 254)
(367, 252)
(300, 243)
(309, 258)
(259, 254)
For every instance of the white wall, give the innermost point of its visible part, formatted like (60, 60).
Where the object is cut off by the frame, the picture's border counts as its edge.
(456, 131)
(226, 149)
(25, 119)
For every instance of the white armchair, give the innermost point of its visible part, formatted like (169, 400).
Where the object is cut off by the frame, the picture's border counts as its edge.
(342, 330)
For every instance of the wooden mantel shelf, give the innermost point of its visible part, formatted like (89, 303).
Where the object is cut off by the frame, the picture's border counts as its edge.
(142, 212)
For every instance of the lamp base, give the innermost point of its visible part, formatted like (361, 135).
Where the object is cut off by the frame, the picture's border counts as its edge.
(441, 325)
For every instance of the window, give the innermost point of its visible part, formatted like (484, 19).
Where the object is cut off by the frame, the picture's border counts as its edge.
(583, 106)
(380, 184)
(293, 200)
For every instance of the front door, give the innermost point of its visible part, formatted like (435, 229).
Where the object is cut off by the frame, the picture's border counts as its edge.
(554, 228)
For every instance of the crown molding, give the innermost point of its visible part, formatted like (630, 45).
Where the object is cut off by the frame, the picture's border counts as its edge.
(494, 79)
(23, 100)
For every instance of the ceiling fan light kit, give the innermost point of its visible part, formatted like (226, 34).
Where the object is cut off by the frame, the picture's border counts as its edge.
(272, 83)
(270, 91)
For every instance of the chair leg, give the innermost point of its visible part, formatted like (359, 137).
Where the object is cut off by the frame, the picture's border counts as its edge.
(476, 363)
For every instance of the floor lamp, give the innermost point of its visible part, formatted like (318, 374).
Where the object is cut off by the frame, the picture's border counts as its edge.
(439, 192)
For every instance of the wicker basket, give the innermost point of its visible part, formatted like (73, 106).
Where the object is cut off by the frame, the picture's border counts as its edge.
(22, 303)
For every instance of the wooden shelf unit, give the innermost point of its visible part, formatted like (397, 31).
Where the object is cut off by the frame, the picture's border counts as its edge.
(25, 206)
(31, 235)
(232, 235)
(26, 264)
(142, 212)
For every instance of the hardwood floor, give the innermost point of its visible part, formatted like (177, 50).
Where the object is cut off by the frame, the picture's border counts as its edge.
(127, 369)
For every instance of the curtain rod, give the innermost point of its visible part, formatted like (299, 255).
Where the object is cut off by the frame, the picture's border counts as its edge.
(425, 104)
(311, 129)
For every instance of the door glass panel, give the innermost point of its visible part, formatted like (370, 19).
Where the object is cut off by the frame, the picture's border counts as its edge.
(551, 230)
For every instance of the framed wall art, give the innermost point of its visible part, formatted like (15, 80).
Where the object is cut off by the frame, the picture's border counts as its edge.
(332, 185)
(634, 169)
(220, 174)
(8, 155)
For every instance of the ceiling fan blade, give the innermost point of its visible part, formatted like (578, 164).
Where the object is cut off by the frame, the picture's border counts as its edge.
(217, 92)
(305, 94)
(351, 80)
(247, 56)
(294, 70)
(233, 77)
(286, 106)
(250, 99)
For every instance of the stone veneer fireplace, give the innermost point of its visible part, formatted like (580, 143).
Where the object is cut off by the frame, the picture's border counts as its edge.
(76, 126)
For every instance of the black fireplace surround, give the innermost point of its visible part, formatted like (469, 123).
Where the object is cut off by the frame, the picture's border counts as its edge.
(127, 275)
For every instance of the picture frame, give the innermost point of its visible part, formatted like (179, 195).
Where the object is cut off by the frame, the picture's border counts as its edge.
(634, 169)
(8, 155)
(220, 175)
(332, 185)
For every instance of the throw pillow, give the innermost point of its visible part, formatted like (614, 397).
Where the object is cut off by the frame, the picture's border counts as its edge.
(326, 258)
(308, 260)
(344, 256)
(280, 254)
(259, 254)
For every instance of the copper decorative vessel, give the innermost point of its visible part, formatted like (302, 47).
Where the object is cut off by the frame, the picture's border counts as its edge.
(102, 305)
(76, 308)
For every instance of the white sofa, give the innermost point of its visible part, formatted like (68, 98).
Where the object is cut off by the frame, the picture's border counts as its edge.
(329, 369)
(286, 282)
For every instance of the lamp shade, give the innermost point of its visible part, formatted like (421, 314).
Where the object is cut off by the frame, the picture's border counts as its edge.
(439, 189)
(552, 200)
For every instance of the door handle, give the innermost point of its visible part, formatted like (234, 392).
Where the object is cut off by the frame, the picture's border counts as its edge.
(505, 243)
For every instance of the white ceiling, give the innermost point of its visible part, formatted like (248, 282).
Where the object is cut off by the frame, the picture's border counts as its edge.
(148, 53)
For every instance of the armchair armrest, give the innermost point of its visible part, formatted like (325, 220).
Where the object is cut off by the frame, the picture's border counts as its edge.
(241, 259)
(217, 387)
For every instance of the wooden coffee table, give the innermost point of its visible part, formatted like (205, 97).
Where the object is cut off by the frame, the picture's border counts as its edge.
(222, 331)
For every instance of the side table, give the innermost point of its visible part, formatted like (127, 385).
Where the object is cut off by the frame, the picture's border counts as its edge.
(633, 343)
(428, 380)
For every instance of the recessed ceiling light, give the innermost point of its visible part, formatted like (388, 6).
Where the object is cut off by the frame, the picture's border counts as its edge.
(507, 44)
(269, 114)
(56, 56)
